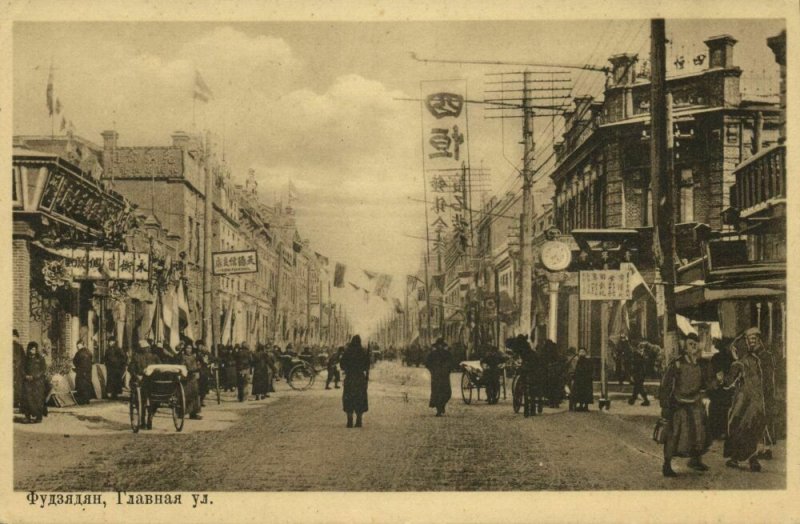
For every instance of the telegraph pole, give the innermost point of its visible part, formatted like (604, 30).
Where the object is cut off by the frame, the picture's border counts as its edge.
(662, 181)
(207, 276)
(526, 264)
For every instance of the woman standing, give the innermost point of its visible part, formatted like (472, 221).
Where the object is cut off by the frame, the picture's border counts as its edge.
(439, 363)
(355, 364)
(260, 373)
(84, 390)
(582, 394)
(34, 384)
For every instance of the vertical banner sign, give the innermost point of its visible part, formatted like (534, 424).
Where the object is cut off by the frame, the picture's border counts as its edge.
(444, 128)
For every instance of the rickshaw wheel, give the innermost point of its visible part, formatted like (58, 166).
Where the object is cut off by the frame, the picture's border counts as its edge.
(516, 394)
(466, 388)
(301, 377)
(135, 407)
(178, 407)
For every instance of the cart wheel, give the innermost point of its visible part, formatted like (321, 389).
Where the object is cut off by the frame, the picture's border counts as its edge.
(301, 377)
(516, 394)
(135, 407)
(466, 388)
(178, 407)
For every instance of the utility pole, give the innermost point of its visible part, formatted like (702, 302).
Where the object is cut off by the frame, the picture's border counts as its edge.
(662, 180)
(526, 263)
(207, 276)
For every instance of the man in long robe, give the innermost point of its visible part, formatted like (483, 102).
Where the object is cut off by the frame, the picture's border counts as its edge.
(34, 388)
(116, 360)
(244, 361)
(747, 418)
(192, 389)
(638, 368)
(84, 390)
(492, 372)
(355, 363)
(440, 363)
(681, 398)
(19, 369)
(582, 393)
(261, 371)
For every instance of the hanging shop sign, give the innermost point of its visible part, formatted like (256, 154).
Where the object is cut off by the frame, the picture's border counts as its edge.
(99, 264)
(234, 262)
(606, 284)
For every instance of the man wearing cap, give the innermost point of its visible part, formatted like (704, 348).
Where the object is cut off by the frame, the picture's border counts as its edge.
(681, 398)
(84, 390)
(439, 363)
(116, 360)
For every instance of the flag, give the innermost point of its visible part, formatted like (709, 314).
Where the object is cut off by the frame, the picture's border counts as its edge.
(421, 294)
(635, 278)
(323, 260)
(201, 90)
(383, 284)
(338, 275)
(370, 274)
(63, 123)
(355, 286)
(292, 192)
(183, 311)
(398, 307)
(50, 91)
(366, 295)
(411, 282)
(58, 106)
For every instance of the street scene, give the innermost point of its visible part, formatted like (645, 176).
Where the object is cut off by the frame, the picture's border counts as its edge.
(400, 256)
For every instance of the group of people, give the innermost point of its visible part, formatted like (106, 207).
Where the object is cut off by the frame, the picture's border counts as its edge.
(741, 383)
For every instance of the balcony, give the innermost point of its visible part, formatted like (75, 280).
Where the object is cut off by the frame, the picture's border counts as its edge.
(760, 181)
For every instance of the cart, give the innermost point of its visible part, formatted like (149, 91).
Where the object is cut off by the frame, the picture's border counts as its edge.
(472, 380)
(162, 384)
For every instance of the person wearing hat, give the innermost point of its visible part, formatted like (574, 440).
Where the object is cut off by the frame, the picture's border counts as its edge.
(769, 367)
(116, 360)
(492, 362)
(34, 384)
(681, 399)
(142, 358)
(439, 363)
(84, 390)
(19, 369)
(192, 389)
(638, 369)
(355, 364)
(244, 361)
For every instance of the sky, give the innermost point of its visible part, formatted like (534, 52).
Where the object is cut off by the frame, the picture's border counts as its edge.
(318, 103)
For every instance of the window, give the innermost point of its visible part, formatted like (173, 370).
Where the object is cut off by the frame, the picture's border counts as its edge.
(686, 196)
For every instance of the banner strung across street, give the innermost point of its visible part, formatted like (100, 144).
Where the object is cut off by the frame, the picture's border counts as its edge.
(234, 262)
(606, 284)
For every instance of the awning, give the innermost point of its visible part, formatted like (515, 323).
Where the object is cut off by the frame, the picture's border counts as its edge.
(697, 293)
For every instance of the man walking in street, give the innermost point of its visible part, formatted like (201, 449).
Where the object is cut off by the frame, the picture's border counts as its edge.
(638, 367)
(116, 360)
(681, 398)
(139, 362)
(333, 368)
(355, 364)
(492, 370)
(439, 363)
(244, 361)
(84, 390)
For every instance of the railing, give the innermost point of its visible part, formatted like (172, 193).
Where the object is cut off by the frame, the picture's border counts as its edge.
(760, 178)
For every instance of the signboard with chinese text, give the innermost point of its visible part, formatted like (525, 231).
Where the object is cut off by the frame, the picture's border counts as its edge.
(607, 284)
(234, 262)
(98, 264)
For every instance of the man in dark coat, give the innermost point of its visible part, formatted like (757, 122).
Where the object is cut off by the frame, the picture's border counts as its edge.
(244, 361)
(116, 360)
(192, 388)
(769, 370)
(581, 389)
(492, 371)
(84, 390)
(19, 369)
(622, 356)
(530, 375)
(681, 398)
(261, 371)
(355, 363)
(333, 368)
(34, 388)
(720, 398)
(638, 367)
(747, 418)
(205, 363)
(440, 363)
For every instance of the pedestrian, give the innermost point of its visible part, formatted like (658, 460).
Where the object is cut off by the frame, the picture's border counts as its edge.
(116, 360)
(440, 363)
(34, 388)
(582, 385)
(19, 370)
(142, 358)
(622, 358)
(747, 418)
(355, 364)
(768, 364)
(230, 367)
(204, 361)
(529, 374)
(720, 398)
(84, 390)
(260, 373)
(638, 368)
(244, 361)
(492, 369)
(681, 398)
(333, 368)
(192, 387)
(569, 374)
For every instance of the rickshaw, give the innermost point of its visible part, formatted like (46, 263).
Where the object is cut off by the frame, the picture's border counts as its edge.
(472, 379)
(164, 386)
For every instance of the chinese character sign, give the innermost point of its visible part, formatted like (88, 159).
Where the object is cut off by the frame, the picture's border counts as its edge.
(97, 264)
(444, 143)
(604, 285)
(234, 262)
